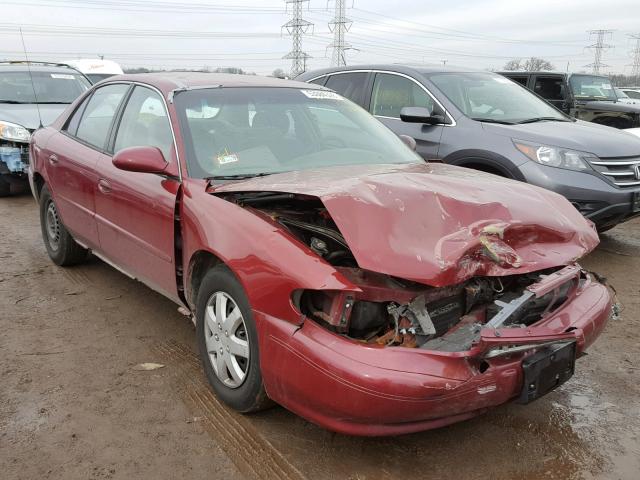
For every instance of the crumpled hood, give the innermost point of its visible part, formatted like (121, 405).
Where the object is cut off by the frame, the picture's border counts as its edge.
(26, 115)
(439, 224)
(589, 137)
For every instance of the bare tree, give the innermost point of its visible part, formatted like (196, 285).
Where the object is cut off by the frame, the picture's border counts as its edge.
(533, 64)
(515, 64)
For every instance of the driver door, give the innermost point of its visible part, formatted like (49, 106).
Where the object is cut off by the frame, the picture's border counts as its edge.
(391, 93)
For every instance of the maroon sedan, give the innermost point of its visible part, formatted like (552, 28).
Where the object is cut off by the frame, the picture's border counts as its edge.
(327, 267)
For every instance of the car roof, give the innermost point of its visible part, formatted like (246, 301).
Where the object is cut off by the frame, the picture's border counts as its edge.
(526, 72)
(169, 81)
(405, 68)
(36, 67)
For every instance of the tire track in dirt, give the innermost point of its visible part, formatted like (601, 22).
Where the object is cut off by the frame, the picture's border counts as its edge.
(241, 441)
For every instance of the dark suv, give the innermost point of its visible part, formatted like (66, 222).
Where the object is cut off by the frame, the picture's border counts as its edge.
(485, 121)
(30, 95)
(588, 97)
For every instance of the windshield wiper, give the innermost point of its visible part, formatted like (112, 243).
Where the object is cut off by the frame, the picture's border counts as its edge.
(239, 176)
(54, 103)
(491, 120)
(542, 119)
(13, 102)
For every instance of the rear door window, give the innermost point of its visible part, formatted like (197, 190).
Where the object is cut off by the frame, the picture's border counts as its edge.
(549, 88)
(98, 115)
(145, 123)
(391, 93)
(349, 85)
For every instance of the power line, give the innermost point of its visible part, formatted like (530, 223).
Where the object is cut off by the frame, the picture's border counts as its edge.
(598, 48)
(297, 27)
(339, 25)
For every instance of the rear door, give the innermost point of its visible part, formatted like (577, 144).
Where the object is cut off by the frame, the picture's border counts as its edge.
(135, 211)
(392, 92)
(72, 156)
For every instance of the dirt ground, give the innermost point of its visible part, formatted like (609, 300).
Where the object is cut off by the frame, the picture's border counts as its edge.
(72, 406)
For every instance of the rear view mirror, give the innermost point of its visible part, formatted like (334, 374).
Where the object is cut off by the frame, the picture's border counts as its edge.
(409, 141)
(140, 159)
(420, 115)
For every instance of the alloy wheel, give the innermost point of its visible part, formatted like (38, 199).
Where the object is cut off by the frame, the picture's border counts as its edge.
(52, 223)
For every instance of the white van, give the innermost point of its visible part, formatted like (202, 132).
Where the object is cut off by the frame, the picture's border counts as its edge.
(95, 69)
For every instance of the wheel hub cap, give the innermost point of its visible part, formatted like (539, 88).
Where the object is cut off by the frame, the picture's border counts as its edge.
(226, 339)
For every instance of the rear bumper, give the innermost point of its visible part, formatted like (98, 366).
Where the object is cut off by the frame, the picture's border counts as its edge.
(357, 389)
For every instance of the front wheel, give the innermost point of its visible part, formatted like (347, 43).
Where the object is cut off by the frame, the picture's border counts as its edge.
(60, 245)
(228, 342)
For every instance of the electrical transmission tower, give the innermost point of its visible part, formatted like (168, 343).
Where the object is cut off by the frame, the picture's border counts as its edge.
(635, 65)
(598, 48)
(339, 25)
(297, 27)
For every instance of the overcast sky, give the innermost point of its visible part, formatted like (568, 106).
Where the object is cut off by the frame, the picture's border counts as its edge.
(247, 33)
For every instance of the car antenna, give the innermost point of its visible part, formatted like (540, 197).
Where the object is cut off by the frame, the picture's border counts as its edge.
(33, 86)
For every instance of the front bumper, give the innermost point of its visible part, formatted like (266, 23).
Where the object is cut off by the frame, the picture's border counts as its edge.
(597, 199)
(357, 389)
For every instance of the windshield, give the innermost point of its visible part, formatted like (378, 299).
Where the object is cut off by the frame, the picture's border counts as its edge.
(591, 87)
(493, 98)
(16, 87)
(252, 131)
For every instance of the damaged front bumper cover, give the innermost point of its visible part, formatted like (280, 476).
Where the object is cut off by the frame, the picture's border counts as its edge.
(365, 389)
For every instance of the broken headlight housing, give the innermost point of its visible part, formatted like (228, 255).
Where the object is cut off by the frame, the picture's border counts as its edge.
(556, 156)
(13, 132)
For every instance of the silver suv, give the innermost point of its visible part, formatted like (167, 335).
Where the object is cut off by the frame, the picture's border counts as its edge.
(485, 121)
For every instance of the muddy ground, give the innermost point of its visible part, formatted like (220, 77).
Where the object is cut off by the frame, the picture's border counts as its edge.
(72, 407)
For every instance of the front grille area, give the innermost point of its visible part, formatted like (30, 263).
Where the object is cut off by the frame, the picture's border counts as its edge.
(623, 172)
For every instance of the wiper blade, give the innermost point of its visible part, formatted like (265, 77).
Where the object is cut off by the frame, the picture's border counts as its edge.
(54, 103)
(239, 176)
(492, 120)
(543, 119)
(13, 102)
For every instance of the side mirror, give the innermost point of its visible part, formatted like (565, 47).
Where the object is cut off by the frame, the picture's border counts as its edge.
(409, 141)
(420, 115)
(140, 159)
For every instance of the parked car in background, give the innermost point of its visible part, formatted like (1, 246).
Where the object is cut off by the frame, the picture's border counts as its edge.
(624, 98)
(484, 121)
(633, 93)
(30, 95)
(328, 268)
(591, 98)
(95, 69)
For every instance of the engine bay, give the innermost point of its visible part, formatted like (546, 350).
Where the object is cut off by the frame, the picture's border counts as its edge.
(390, 311)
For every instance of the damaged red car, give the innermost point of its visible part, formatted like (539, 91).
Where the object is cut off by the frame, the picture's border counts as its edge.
(327, 267)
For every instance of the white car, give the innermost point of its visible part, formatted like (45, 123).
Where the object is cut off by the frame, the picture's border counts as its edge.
(634, 131)
(95, 69)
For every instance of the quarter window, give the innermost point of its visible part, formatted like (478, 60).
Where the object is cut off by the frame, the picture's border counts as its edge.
(349, 85)
(145, 123)
(391, 93)
(97, 117)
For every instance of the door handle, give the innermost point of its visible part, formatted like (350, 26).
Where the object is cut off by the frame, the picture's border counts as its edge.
(104, 186)
(53, 159)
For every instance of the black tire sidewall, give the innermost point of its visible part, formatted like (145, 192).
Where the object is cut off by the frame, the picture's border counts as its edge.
(247, 396)
(57, 256)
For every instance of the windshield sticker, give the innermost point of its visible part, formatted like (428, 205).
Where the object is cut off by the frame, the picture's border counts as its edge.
(321, 95)
(65, 76)
(502, 80)
(606, 86)
(227, 157)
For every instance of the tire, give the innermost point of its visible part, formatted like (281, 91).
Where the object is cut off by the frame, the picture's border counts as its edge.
(5, 187)
(605, 229)
(61, 247)
(239, 381)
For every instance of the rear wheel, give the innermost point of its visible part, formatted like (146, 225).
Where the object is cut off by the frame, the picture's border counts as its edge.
(60, 245)
(228, 342)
